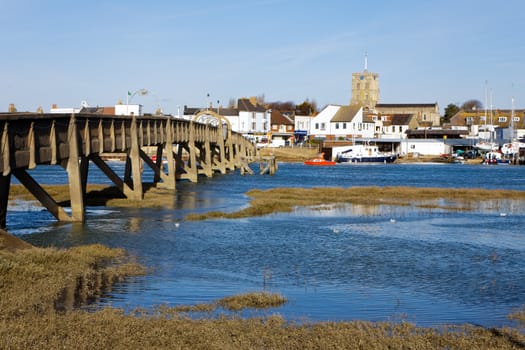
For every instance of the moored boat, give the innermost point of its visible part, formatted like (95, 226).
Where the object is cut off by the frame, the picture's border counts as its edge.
(319, 161)
(364, 154)
(493, 158)
(485, 146)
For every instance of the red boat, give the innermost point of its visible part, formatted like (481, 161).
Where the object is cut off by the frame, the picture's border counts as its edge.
(320, 161)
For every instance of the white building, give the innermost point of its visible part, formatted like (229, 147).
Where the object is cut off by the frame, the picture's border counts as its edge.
(320, 124)
(249, 118)
(335, 122)
(429, 147)
(128, 110)
(68, 110)
(253, 118)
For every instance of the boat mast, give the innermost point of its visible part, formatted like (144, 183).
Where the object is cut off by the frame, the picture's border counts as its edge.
(512, 131)
(486, 104)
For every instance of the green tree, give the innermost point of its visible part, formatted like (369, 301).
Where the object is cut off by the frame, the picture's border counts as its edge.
(306, 108)
(450, 111)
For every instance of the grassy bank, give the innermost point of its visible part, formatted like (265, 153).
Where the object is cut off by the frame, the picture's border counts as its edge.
(285, 199)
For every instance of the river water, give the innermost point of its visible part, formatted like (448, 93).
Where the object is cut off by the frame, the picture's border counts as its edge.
(424, 265)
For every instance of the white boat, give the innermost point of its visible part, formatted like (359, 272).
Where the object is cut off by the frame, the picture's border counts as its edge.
(486, 146)
(364, 154)
(512, 148)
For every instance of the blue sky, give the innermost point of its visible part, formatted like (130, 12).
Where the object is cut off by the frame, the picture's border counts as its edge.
(65, 51)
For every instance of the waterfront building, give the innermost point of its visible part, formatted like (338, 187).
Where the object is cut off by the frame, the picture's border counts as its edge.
(341, 122)
(302, 125)
(248, 118)
(282, 126)
(426, 114)
(393, 126)
(501, 125)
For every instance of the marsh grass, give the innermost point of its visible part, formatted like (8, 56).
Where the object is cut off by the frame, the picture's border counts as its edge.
(285, 199)
(44, 280)
(255, 300)
(101, 195)
(288, 154)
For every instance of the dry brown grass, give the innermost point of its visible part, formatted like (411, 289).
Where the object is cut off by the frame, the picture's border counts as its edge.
(41, 280)
(100, 195)
(285, 199)
(289, 154)
(256, 300)
(112, 329)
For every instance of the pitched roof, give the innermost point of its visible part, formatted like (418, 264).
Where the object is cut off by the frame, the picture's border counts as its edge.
(345, 114)
(405, 105)
(191, 110)
(277, 118)
(245, 105)
(228, 111)
(401, 119)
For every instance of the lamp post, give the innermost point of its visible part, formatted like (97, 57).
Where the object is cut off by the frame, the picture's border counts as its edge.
(129, 97)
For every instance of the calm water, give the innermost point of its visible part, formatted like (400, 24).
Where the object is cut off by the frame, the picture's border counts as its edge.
(427, 266)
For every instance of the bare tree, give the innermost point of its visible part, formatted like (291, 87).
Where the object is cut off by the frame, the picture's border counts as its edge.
(472, 105)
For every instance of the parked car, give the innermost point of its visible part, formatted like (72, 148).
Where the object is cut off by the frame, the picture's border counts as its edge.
(277, 143)
(471, 154)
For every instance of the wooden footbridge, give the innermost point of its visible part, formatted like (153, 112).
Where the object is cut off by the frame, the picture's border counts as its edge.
(204, 145)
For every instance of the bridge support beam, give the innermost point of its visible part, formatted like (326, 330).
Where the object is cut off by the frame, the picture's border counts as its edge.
(5, 181)
(76, 182)
(36, 190)
(208, 171)
(121, 185)
(133, 173)
(169, 181)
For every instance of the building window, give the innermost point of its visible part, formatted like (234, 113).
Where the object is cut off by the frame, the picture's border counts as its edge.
(317, 126)
(344, 125)
(483, 118)
(502, 119)
(400, 129)
(468, 119)
(254, 125)
(358, 86)
(337, 125)
(516, 119)
(323, 126)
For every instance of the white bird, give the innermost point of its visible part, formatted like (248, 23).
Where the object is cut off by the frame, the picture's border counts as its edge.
(177, 224)
(502, 214)
(392, 220)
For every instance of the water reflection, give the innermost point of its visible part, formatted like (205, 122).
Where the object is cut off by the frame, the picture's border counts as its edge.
(421, 262)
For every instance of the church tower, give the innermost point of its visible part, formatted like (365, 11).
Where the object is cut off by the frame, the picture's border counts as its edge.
(365, 88)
